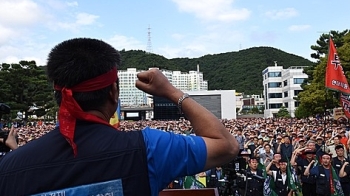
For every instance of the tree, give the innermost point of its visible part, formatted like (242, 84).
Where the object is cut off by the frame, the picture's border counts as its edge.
(255, 110)
(315, 98)
(302, 112)
(283, 113)
(321, 49)
(24, 85)
(225, 71)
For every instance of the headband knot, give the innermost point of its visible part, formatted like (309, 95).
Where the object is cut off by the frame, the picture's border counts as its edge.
(70, 110)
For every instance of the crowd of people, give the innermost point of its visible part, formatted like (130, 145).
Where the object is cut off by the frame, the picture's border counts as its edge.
(86, 155)
(269, 142)
(248, 130)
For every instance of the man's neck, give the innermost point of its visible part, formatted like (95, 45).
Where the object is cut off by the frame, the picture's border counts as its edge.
(341, 158)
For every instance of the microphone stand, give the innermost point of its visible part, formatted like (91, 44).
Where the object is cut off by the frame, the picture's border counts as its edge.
(246, 185)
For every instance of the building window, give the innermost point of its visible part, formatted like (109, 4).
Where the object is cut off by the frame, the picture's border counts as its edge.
(275, 84)
(274, 74)
(275, 105)
(285, 83)
(298, 80)
(296, 104)
(285, 94)
(286, 104)
(275, 95)
(265, 95)
(296, 92)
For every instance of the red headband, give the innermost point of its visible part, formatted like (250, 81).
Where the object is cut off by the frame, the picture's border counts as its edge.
(70, 109)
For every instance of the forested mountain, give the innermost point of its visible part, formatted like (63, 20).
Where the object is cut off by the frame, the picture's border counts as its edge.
(240, 70)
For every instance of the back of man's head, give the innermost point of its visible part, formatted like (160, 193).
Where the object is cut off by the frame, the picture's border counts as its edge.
(77, 60)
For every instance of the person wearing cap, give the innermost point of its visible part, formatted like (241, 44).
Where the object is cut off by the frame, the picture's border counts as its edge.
(308, 181)
(87, 155)
(279, 177)
(276, 143)
(246, 154)
(301, 143)
(337, 163)
(321, 148)
(322, 173)
(253, 178)
(263, 135)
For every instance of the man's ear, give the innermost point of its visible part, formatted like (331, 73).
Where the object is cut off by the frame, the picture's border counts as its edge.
(114, 93)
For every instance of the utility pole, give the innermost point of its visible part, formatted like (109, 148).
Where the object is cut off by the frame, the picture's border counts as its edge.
(149, 42)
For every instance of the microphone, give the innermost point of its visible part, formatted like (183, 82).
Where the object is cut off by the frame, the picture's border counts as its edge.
(257, 177)
(248, 173)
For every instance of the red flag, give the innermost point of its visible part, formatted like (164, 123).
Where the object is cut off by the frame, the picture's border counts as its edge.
(345, 102)
(335, 78)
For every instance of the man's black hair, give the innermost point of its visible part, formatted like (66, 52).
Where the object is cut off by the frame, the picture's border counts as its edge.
(77, 60)
(267, 145)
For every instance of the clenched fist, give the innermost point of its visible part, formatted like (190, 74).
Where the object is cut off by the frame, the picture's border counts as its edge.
(155, 83)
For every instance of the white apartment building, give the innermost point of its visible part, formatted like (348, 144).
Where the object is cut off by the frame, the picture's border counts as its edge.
(131, 96)
(281, 86)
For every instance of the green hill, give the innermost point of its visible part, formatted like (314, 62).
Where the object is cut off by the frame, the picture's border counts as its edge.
(240, 70)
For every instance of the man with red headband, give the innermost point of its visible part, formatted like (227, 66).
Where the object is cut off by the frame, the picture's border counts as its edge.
(85, 155)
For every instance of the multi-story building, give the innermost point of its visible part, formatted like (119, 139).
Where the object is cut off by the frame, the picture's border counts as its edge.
(247, 102)
(131, 96)
(281, 86)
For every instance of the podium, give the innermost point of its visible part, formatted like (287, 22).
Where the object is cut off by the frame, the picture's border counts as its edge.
(190, 192)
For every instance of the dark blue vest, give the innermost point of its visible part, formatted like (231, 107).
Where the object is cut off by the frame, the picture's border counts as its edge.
(322, 182)
(310, 179)
(280, 188)
(104, 154)
(255, 186)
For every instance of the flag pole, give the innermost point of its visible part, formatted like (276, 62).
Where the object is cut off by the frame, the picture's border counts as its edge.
(325, 122)
(326, 100)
